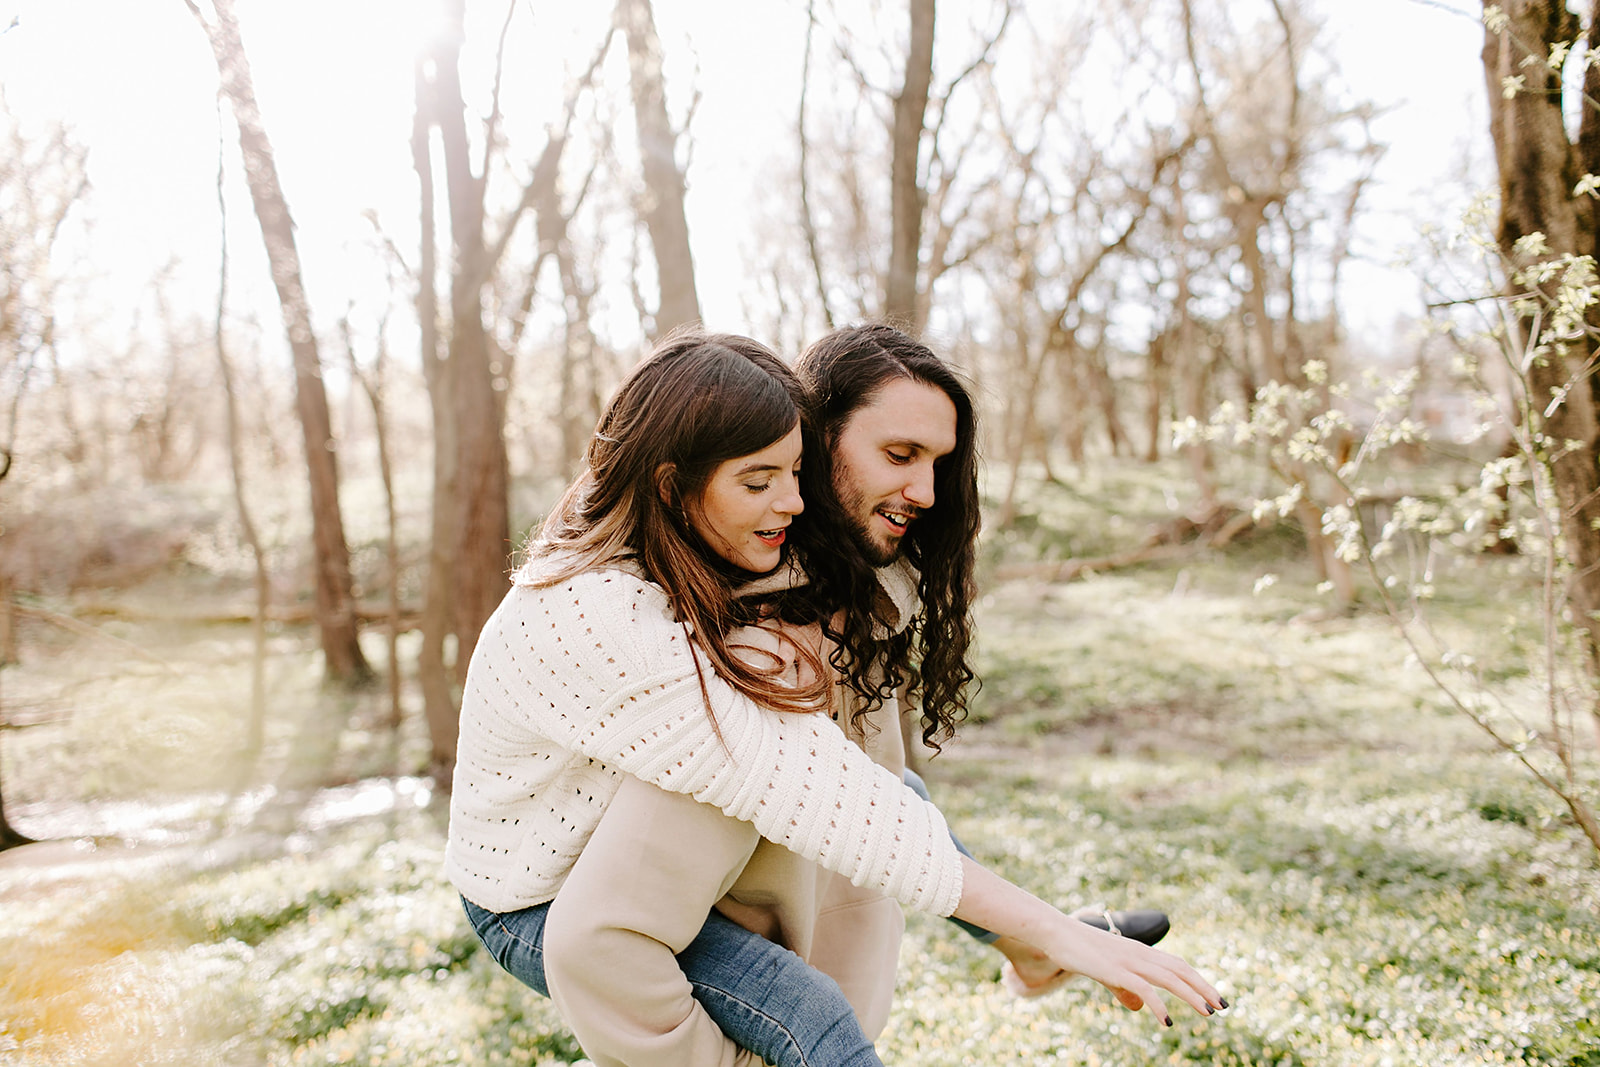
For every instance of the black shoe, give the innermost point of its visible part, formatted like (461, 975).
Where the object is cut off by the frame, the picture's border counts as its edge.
(1142, 925)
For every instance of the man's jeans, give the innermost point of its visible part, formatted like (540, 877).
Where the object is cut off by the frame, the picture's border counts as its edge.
(762, 996)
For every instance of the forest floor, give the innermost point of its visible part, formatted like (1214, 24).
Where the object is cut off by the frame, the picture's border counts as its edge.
(1344, 854)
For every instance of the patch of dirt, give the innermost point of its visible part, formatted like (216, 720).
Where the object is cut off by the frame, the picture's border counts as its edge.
(1150, 731)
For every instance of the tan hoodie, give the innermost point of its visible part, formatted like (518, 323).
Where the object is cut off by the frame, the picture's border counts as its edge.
(640, 891)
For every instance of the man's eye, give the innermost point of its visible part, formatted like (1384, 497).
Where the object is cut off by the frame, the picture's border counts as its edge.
(897, 457)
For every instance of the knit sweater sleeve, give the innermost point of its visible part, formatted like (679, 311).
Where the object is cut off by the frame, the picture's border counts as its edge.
(637, 703)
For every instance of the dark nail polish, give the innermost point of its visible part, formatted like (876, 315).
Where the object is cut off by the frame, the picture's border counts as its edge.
(1223, 1001)
(1210, 1010)
(1168, 1020)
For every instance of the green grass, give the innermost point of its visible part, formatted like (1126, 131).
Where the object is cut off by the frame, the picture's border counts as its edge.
(1342, 853)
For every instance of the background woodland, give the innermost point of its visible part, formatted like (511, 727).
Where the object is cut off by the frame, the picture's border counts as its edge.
(256, 503)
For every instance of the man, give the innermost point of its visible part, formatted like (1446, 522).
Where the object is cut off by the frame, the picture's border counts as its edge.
(891, 458)
(890, 483)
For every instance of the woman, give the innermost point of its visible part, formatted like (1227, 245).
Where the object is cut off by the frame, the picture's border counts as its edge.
(586, 673)
(595, 667)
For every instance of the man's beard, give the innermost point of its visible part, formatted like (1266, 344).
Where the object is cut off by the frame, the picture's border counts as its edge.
(876, 553)
(871, 548)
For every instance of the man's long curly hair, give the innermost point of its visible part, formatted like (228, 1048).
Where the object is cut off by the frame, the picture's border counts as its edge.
(843, 372)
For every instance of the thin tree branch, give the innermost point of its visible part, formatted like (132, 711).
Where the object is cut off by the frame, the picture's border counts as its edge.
(808, 224)
(491, 129)
(547, 168)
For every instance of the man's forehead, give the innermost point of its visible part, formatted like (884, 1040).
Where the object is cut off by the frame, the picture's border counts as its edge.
(908, 411)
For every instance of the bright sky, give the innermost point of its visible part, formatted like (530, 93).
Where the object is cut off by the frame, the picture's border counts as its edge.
(137, 84)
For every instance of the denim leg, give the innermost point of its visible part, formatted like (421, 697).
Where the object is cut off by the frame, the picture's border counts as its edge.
(770, 1001)
(761, 995)
(915, 783)
(515, 940)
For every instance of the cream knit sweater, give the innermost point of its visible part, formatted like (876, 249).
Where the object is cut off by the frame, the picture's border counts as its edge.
(574, 684)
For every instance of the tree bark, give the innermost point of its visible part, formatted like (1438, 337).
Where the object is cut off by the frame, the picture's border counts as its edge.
(10, 837)
(1104, 389)
(371, 381)
(438, 619)
(483, 549)
(255, 731)
(467, 373)
(471, 528)
(577, 380)
(1539, 166)
(336, 620)
(663, 181)
(905, 189)
(808, 224)
(1156, 391)
(8, 625)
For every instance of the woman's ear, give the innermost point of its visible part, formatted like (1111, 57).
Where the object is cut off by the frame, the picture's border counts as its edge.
(665, 474)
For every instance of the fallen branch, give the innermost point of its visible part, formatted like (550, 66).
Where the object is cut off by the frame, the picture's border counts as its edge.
(288, 615)
(1181, 537)
(83, 629)
(1065, 570)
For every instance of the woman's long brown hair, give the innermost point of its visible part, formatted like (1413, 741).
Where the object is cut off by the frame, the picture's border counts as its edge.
(697, 401)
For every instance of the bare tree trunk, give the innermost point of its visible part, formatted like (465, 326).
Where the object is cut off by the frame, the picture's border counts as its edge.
(1191, 367)
(467, 375)
(1192, 398)
(577, 412)
(1069, 376)
(905, 188)
(391, 550)
(437, 624)
(663, 180)
(8, 624)
(336, 618)
(1539, 167)
(1155, 397)
(579, 374)
(9, 836)
(482, 516)
(255, 732)
(1249, 222)
(807, 223)
(1105, 394)
(1020, 407)
(371, 381)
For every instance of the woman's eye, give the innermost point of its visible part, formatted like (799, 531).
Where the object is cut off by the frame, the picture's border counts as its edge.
(762, 488)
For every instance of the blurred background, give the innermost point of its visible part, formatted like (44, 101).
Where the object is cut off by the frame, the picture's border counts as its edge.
(1281, 316)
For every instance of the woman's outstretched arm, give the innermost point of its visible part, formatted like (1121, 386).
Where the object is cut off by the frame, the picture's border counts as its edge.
(1136, 973)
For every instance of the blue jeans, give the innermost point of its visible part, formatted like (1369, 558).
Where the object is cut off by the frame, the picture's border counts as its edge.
(762, 996)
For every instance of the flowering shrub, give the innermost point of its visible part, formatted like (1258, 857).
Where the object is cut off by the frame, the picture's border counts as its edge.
(1304, 432)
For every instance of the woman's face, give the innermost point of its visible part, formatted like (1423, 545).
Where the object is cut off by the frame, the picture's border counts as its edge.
(748, 502)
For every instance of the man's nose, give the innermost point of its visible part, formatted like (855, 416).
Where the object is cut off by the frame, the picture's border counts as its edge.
(919, 490)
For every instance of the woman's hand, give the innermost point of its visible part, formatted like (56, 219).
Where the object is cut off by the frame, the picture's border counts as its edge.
(1136, 973)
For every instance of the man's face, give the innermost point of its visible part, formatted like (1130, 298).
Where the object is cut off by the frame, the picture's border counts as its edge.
(883, 462)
